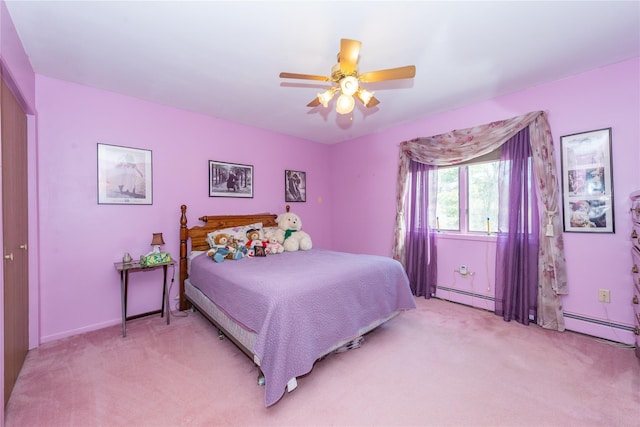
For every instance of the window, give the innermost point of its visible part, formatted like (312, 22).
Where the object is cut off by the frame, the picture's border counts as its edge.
(467, 197)
(472, 206)
(482, 197)
(448, 199)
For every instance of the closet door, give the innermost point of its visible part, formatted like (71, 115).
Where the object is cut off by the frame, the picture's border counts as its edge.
(15, 237)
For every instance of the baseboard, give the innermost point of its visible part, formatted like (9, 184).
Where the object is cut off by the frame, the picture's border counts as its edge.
(598, 321)
(566, 315)
(78, 331)
(467, 293)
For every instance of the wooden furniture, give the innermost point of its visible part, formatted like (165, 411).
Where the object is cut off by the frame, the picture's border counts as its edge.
(124, 268)
(635, 269)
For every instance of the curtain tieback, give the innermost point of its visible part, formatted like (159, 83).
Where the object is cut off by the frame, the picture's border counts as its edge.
(550, 215)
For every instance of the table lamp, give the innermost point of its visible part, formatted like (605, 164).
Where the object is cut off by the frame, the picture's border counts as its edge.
(156, 241)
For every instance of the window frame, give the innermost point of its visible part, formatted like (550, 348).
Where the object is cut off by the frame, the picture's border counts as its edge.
(463, 196)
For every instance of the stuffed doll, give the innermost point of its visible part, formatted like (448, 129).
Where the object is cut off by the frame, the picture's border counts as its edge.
(272, 246)
(290, 233)
(222, 249)
(253, 240)
(238, 245)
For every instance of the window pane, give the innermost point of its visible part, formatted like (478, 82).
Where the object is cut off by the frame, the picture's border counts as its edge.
(483, 197)
(448, 204)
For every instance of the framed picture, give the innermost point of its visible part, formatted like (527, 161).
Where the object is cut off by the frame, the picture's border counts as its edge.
(230, 180)
(295, 186)
(124, 175)
(587, 182)
(259, 251)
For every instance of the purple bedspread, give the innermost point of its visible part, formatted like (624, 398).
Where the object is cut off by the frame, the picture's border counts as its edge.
(301, 303)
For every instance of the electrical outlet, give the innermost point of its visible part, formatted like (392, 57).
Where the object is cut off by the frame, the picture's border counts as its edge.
(604, 295)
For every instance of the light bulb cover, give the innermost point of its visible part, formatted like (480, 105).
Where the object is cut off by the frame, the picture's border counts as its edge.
(365, 96)
(325, 97)
(349, 85)
(345, 104)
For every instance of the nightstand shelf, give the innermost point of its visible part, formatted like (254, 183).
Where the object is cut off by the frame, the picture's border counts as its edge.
(124, 268)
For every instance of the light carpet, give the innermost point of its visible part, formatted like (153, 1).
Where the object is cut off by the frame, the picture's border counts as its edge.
(442, 364)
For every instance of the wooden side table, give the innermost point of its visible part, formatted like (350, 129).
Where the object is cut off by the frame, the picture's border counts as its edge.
(124, 268)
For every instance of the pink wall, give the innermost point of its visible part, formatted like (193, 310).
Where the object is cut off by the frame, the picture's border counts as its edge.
(363, 212)
(80, 239)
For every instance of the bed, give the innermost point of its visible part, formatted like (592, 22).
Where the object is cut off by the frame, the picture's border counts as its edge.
(286, 311)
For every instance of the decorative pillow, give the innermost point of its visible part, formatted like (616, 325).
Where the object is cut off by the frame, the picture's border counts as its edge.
(239, 233)
(269, 230)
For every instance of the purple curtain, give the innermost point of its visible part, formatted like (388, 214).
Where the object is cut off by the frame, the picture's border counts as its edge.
(518, 233)
(420, 237)
(465, 144)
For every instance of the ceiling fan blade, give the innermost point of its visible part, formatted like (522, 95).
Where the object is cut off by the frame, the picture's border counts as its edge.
(304, 77)
(390, 74)
(314, 103)
(348, 56)
(372, 102)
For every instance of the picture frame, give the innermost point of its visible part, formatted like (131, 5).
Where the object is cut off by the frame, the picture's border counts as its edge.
(295, 186)
(587, 182)
(259, 251)
(125, 175)
(230, 179)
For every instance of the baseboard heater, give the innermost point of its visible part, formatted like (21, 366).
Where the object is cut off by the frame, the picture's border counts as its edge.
(565, 314)
(598, 321)
(467, 293)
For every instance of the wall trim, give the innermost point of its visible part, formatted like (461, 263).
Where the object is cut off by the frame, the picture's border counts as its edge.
(467, 293)
(566, 315)
(598, 321)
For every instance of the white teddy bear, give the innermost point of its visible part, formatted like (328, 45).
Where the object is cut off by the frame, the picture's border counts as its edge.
(290, 233)
(273, 244)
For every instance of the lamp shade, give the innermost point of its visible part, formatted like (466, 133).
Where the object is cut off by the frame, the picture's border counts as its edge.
(349, 85)
(345, 104)
(157, 239)
(365, 96)
(325, 97)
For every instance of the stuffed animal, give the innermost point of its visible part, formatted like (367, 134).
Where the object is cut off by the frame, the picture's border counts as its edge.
(272, 246)
(238, 245)
(222, 249)
(253, 240)
(290, 233)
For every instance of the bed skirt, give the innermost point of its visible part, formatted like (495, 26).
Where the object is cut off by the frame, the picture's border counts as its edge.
(245, 338)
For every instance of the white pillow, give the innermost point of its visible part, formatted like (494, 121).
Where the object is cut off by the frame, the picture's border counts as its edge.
(267, 230)
(238, 233)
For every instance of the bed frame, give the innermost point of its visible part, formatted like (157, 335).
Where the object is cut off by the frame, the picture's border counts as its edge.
(197, 235)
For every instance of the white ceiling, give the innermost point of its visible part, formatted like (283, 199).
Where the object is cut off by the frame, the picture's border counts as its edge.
(223, 58)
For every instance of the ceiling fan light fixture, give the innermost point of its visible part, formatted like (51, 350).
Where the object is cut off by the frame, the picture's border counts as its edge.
(349, 85)
(345, 104)
(365, 96)
(346, 79)
(326, 96)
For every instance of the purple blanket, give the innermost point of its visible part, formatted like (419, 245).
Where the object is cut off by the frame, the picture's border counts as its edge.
(301, 303)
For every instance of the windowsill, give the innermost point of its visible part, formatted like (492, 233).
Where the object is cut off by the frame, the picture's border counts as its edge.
(479, 237)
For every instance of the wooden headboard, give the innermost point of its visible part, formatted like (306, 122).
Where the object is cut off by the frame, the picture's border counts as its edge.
(198, 236)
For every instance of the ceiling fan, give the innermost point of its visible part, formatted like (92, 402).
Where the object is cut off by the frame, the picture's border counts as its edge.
(345, 75)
